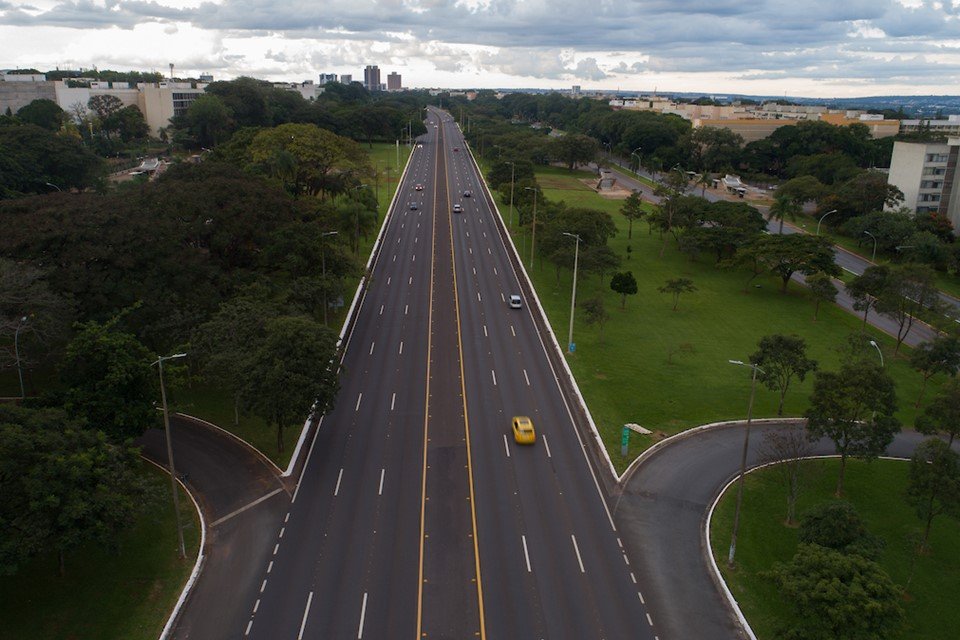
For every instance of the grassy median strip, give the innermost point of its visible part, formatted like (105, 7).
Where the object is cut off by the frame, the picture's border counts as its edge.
(122, 594)
(876, 490)
(667, 370)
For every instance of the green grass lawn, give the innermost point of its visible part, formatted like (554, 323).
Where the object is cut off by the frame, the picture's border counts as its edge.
(876, 490)
(107, 595)
(667, 370)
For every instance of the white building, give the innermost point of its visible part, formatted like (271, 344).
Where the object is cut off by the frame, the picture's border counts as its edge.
(925, 173)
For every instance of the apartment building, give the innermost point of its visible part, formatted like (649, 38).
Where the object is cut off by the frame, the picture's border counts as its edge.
(925, 173)
(371, 77)
(393, 81)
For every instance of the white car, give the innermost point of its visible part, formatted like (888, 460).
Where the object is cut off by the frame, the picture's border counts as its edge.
(457, 208)
(515, 301)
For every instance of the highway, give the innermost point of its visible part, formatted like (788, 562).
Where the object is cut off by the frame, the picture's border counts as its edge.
(417, 515)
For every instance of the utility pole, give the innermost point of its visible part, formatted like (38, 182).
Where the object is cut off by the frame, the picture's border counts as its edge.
(173, 470)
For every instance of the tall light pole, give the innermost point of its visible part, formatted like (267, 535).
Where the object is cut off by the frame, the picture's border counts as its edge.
(639, 157)
(533, 228)
(512, 167)
(573, 294)
(359, 186)
(16, 349)
(50, 184)
(880, 353)
(173, 470)
(323, 266)
(822, 217)
(743, 460)
(874, 258)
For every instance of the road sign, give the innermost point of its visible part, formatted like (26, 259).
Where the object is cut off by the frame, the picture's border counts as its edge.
(624, 441)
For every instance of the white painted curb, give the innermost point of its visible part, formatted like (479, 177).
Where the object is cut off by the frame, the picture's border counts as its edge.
(354, 306)
(595, 434)
(165, 633)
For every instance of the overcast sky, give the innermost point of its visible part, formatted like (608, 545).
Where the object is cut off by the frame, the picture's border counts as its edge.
(822, 48)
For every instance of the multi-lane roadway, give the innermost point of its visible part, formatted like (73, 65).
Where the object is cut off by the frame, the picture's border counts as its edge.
(417, 515)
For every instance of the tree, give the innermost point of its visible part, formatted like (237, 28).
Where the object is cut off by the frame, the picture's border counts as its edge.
(595, 313)
(784, 255)
(632, 209)
(934, 483)
(129, 123)
(109, 381)
(786, 448)
(942, 416)
(781, 359)
(573, 149)
(104, 105)
(837, 525)
(726, 227)
(43, 113)
(940, 355)
(823, 290)
(866, 288)
(63, 484)
(292, 374)
(805, 188)
(837, 596)
(625, 284)
(855, 408)
(677, 286)
(908, 290)
(32, 158)
(784, 207)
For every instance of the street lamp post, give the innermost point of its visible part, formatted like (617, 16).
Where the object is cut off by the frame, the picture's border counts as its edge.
(743, 460)
(357, 245)
(173, 471)
(533, 228)
(573, 294)
(874, 258)
(513, 166)
(822, 217)
(323, 266)
(50, 184)
(639, 158)
(880, 353)
(16, 349)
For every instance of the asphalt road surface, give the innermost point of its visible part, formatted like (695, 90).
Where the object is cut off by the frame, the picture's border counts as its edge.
(665, 503)
(417, 515)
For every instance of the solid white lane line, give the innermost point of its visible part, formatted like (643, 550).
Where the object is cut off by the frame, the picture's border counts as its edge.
(506, 446)
(249, 624)
(526, 377)
(363, 613)
(512, 331)
(393, 399)
(336, 489)
(485, 331)
(371, 348)
(546, 445)
(380, 490)
(303, 624)
(270, 567)
(401, 347)
(525, 554)
(494, 375)
(359, 398)
(577, 549)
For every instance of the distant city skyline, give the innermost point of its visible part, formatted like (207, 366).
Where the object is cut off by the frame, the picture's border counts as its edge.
(816, 48)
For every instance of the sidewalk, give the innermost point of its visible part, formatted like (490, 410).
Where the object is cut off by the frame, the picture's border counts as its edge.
(243, 500)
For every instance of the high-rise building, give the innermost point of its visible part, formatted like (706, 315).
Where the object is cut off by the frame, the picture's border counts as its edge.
(926, 172)
(346, 78)
(393, 81)
(371, 77)
(327, 77)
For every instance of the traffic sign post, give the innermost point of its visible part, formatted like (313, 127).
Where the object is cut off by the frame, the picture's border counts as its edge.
(624, 441)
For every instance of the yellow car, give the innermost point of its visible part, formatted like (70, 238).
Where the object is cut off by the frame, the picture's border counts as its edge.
(523, 432)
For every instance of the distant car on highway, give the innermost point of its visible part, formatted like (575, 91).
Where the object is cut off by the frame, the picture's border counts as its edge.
(467, 194)
(515, 302)
(414, 206)
(419, 187)
(456, 148)
(457, 208)
(523, 431)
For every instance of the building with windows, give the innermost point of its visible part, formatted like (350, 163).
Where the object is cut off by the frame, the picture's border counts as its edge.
(371, 77)
(346, 78)
(925, 172)
(393, 81)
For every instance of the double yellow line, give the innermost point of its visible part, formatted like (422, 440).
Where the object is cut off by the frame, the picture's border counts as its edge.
(463, 395)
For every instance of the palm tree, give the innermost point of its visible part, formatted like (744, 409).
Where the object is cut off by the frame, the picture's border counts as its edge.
(704, 180)
(784, 208)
